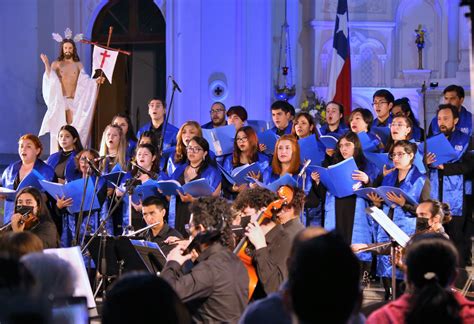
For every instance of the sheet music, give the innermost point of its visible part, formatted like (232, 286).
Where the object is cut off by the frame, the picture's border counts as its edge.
(387, 224)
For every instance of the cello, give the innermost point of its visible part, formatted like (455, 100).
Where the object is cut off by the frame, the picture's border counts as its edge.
(285, 194)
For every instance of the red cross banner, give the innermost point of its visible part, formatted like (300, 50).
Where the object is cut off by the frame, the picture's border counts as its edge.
(104, 59)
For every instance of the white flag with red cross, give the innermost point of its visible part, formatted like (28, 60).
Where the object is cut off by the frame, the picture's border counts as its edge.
(104, 59)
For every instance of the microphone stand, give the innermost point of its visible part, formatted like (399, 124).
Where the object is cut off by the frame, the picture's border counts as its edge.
(81, 209)
(425, 129)
(168, 113)
(103, 241)
(302, 176)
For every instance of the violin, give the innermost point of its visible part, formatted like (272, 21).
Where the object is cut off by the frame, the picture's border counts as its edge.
(285, 194)
(27, 217)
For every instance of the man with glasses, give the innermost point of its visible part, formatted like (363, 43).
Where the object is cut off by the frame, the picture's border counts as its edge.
(217, 116)
(382, 103)
(153, 210)
(215, 290)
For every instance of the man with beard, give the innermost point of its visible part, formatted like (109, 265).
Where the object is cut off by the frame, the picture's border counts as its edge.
(447, 180)
(69, 93)
(217, 116)
(454, 95)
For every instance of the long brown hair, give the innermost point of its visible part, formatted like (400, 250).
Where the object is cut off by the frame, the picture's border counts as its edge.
(75, 57)
(295, 156)
(180, 154)
(253, 142)
(310, 120)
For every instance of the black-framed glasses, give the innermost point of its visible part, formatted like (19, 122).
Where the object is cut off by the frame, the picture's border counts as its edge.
(216, 111)
(242, 139)
(379, 103)
(194, 149)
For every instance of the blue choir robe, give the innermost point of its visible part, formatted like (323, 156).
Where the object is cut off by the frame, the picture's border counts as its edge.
(363, 228)
(413, 186)
(70, 172)
(453, 185)
(179, 213)
(464, 124)
(8, 180)
(286, 131)
(131, 146)
(340, 130)
(385, 123)
(169, 136)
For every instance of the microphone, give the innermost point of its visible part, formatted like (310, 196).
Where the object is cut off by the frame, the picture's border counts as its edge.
(174, 83)
(100, 158)
(151, 174)
(303, 169)
(93, 167)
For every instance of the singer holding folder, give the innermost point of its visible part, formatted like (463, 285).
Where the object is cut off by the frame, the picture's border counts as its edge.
(29, 150)
(347, 214)
(407, 177)
(198, 165)
(69, 220)
(245, 152)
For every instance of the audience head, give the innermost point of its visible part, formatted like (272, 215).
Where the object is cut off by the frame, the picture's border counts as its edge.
(69, 140)
(237, 116)
(245, 142)
(448, 117)
(54, 276)
(29, 148)
(126, 125)
(18, 244)
(431, 262)
(282, 113)
(287, 151)
(454, 95)
(360, 120)
(143, 298)
(303, 125)
(334, 113)
(217, 114)
(186, 132)
(432, 214)
(211, 217)
(315, 271)
(383, 103)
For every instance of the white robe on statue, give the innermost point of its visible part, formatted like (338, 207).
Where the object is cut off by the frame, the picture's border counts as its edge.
(83, 105)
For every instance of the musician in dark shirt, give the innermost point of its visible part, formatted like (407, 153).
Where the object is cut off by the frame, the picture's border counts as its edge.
(271, 241)
(216, 288)
(153, 210)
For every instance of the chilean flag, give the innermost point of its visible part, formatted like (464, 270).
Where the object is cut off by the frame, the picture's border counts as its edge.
(340, 87)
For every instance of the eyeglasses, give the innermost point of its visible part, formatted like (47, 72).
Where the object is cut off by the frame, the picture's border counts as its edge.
(397, 155)
(379, 103)
(194, 149)
(216, 111)
(242, 139)
(398, 125)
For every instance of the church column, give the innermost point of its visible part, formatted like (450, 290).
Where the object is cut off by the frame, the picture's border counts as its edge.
(453, 39)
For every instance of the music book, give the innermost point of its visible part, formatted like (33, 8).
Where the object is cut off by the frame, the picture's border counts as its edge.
(32, 179)
(382, 192)
(258, 125)
(145, 190)
(116, 177)
(74, 190)
(269, 138)
(440, 146)
(310, 149)
(285, 180)
(196, 188)
(387, 224)
(366, 142)
(383, 132)
(379, 159)
(337, 178)
(220, 139)
(239, 175)
(328, 141)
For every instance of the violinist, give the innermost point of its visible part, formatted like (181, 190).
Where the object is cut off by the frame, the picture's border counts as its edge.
(216, 288)
(32, 215)
(271, 243)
